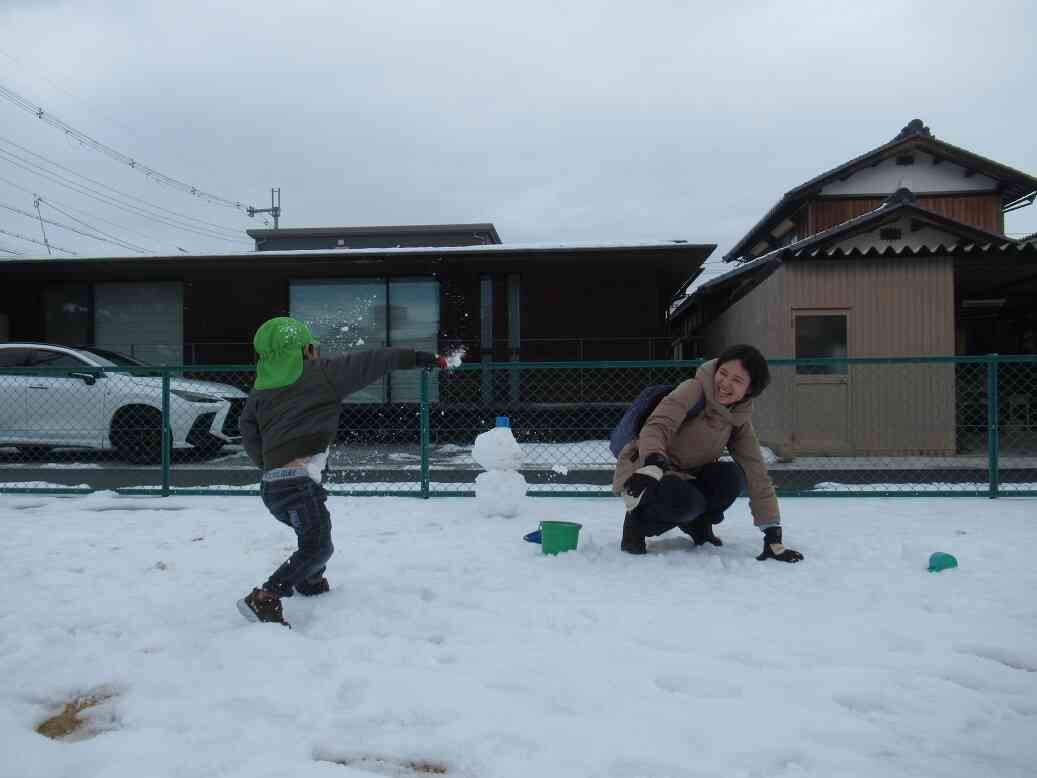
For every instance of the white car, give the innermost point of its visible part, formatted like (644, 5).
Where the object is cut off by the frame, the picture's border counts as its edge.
(92, 406)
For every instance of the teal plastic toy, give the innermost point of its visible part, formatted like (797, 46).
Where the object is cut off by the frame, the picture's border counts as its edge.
(940, 560)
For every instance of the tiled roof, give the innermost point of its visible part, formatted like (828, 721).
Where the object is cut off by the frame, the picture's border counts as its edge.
(1015, 183)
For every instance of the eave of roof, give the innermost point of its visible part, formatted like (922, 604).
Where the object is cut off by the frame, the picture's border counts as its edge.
(396, 229)
(500, 250)
(1002, 248)
(757, 271)
(914, 135)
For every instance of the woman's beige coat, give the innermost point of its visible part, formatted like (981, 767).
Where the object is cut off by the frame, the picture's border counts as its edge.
(691, 443)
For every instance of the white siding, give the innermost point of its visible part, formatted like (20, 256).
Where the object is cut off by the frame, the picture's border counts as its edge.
(922, 176)
(927, 236)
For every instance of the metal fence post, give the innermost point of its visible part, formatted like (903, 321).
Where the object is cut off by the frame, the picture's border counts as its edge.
(166, 432)
(993, 431)
(424, 434)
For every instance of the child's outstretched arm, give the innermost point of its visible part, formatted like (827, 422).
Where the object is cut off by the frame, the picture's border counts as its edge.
(351, 372)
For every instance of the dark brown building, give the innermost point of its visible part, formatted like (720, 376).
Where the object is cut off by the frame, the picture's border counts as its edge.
(500, 302)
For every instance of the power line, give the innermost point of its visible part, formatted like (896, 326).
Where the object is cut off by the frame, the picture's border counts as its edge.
(36, 66)
(12, 251)
(44, 160)
(89, 226)
(55, 203)
(38, 69)
(19, 236)
(114, 242)
(51, 202)
(111, 153)
(108, 200)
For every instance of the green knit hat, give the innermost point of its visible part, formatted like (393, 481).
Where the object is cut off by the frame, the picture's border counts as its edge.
(279, 344)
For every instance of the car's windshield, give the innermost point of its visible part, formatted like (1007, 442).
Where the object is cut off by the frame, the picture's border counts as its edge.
(113, 358)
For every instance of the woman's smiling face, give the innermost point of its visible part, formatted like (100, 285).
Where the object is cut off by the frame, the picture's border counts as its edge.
(730, 383)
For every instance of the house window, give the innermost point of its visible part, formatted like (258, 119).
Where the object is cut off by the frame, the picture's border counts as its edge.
(361, 314)
(891, 233)
(821, 336)
(413, 323)
(144, 320)
(66, 314)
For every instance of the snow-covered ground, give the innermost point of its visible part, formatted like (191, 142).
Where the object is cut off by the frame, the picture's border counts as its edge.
(448, 641)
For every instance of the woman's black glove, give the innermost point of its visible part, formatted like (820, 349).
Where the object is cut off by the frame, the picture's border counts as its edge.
(643, 483)
(773, 549)
(427, 359)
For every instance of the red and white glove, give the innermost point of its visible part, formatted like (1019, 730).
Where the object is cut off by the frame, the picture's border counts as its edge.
(430, 360)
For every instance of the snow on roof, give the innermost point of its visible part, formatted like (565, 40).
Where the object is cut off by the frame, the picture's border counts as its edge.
(499, 248)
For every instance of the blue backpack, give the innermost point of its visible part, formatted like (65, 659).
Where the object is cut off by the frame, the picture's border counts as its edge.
(637, 414)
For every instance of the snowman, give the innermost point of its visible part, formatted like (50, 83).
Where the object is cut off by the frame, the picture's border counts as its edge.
(501, 490)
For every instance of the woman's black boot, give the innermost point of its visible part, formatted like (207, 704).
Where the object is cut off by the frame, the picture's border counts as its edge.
(633, 541)
(701, 531)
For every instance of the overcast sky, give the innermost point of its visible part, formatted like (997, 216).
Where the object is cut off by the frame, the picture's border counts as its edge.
(577, 121)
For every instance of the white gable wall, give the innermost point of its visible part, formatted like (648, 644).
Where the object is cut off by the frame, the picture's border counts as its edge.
(927, 236)
(922, 176)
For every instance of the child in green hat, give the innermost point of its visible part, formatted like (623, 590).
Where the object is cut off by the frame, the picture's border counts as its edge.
(288, 423)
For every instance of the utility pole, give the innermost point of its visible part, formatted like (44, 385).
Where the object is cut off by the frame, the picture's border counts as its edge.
(275, 208)
(36, 202)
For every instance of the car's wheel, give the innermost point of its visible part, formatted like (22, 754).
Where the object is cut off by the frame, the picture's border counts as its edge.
(137, 434)
(33, 453)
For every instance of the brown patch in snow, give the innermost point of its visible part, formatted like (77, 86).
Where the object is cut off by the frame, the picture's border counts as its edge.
(68, 722)
(390, 766)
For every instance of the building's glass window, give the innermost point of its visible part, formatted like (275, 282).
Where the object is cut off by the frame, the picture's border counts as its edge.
(143, 320)
(345, 316)
(66, 314)
(413, 323)
(356, 315)
(821, 336)
(486, 336)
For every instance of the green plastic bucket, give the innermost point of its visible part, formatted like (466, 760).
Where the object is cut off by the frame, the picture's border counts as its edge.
(559, 536)
(941, 560)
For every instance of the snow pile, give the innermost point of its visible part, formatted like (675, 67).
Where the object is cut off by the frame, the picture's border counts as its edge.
(448, 643)
(454, 358)
(501, 491)
(497, 449)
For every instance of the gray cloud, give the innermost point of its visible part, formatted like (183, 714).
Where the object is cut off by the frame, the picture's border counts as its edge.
(600, 121)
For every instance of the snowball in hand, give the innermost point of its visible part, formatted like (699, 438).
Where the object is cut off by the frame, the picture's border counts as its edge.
(497, 449)
(454, 358)
(500, 493)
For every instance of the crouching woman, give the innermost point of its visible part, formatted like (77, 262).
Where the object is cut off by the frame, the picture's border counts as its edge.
(669, 476)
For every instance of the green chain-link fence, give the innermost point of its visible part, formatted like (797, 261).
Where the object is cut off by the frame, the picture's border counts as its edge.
(919, 426)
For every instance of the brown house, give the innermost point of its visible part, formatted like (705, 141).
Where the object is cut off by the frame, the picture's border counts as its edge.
(900, 252)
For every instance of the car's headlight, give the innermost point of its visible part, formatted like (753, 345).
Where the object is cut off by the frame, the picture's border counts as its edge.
(194, 397)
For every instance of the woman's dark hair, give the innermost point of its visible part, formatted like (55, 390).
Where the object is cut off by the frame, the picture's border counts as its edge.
(754, 363)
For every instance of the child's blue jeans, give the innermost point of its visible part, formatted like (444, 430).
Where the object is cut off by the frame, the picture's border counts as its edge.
(299, 502)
